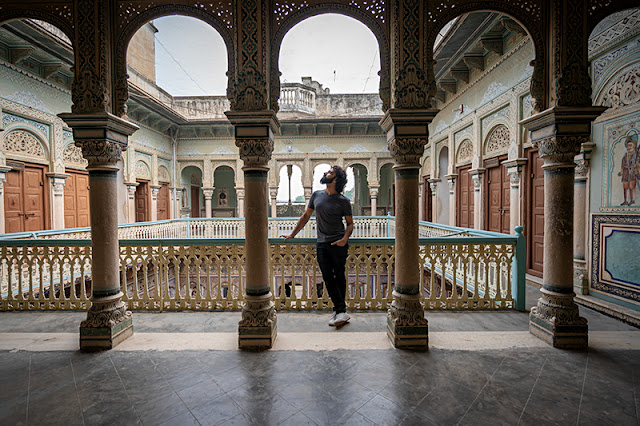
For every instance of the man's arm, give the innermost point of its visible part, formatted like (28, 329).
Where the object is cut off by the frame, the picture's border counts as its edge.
(347, 233)
(301, 223)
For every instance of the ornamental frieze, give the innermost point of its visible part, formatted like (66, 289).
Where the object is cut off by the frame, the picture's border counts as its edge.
(255, 152)
(560, 149)
(23, 143)
(407, 150)
(99, 152)
(73, 155)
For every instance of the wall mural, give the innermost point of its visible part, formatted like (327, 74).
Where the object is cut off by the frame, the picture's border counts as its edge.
(614, 271)
(621, 186)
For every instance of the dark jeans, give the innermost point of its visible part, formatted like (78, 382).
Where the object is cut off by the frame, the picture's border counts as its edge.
(332, 260)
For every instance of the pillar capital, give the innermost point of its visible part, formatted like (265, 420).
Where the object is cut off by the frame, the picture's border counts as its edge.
(207, 193)
(407, 134)
(476, 177)
(101, 136)
(373, 191)
(451, 180)
(254, 136)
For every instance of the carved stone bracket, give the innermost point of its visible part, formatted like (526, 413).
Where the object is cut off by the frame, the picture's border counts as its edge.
(476, 177)
(451, 180)
(474, 61)
(255, 152)
(407, 151)
(412, 90)
(407, 134)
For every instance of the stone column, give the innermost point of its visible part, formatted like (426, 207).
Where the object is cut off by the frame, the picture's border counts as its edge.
(420, 206)
(208, 195)
(373, 193)
(254, 137)
(478, 199)
(57, 199)
(103, 137)
(407, 134)
(580, 215)
(131, 192)
(433, 184)
(308, 190)
(451, 180)
(3, 177)
(514, 170)
(154, 202)
(273, 193)
(173, 203)
(240, 194)
(558, 133)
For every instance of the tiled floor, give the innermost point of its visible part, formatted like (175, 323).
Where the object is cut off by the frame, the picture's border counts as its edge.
(518, 383)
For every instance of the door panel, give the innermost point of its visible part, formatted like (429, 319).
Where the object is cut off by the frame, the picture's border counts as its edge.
(465, 198)
(163, 202)
(427, 200)
(506, 202)
(76, 200)
(142, 202)
(195, 201)
(25, 202)
(499, 196)
(82, 200)
(535, 217)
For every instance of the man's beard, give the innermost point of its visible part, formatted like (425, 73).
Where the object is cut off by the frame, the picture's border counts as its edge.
(324, 179)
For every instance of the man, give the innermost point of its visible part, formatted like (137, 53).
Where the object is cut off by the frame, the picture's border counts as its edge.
(629, 171)
(331, 206)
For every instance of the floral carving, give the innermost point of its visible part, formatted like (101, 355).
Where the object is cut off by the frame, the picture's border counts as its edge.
(255, 152)
(406, 311)
(99, 152)
(258, 312)
(559, 149)
(624, 90)
(498, 139)
(142, 170)
(574, 85)
(73, 154)
(407, 150)
(249, 93)
(465, 151)
(163, 174)
(412, 89)
(23, 143)
(106, 312)
(559, 310)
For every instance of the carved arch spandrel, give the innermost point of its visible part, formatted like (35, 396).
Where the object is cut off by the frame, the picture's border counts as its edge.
(299, 10)
(600, 9)
(59, 15)
(128, 27)
(530, 14)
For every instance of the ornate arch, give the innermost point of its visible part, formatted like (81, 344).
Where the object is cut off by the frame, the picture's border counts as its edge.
(465, 151)
(128, 29)
(191, 164)
(142, 170)
(58, 15)
(498, 139)
(528, 13)
(72, 155)
(600, 9)
(379, 31)
(26, 144)
(353, 161)
(622, 88)
(164, 175)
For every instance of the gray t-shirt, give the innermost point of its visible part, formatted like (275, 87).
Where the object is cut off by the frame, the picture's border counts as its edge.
(330, 209)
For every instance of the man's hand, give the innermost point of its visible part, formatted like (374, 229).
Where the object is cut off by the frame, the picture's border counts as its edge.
(340, 243)
(287, 237)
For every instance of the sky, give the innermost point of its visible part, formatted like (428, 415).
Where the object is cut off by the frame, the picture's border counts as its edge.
(335, 50)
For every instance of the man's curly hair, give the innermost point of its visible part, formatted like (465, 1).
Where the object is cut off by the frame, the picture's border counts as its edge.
(341, 178)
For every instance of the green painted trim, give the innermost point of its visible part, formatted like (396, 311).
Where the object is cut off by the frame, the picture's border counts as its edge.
(556, 289)
(258, 291)
(409, 291)
(406, 174)
(518, 280)
(102, 175)
(106, 293)
(255, 175)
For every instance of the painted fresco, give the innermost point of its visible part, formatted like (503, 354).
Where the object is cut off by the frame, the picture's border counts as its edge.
(616, 272)
(621, 170)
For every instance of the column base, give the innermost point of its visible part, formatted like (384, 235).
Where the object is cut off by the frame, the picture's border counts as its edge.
(407, 328)
(108, 323)
(557, 321)
(258, 328)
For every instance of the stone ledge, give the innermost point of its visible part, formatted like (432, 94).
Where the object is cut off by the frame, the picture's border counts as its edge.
(627, 315)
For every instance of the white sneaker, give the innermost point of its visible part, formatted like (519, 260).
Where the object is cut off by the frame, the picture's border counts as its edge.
(341, 318)
(332, 321)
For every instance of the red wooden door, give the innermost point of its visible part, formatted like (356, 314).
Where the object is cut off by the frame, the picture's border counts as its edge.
(498, 199)
(535, 217)
(195, 201)
(25, 201)
(76, 200)
(142, 202)
(427, 201)
(163, 202)
(464, 217)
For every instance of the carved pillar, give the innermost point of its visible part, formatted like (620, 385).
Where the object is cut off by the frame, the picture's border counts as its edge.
(208, 194)
(307, 195)
(102, 138)
(420, 206)
(478, 197)
(131, 204)
(514, 170)
(3, 177)
(373, 193)
(451, 181)
(240, 195)
(433, 184)
(558, 133)
(178, 193)
(57, 199)
(273, 193)
(254, 137)
(154, 202)
(173, 203)
(407, 134)
(580, 215)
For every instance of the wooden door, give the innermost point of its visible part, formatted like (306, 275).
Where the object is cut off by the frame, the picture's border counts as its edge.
(25, 201)
(76, 200)
(427, 200)
(465, 202)
(142, 202)
(163, 202)
(498, 198)
(195, 201)
(535, 214)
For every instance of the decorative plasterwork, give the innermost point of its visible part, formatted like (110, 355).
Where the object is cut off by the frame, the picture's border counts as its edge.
(498, 140)
(222, 150)
(502, 115)
(163, 175)
(322, 149)
(622, 90)
(8, 119)
(465, 151)
(24, 143)
(142, 170)
(493, 91)
(357, 148)
(72, 155)
(28, 98)
(622, 29)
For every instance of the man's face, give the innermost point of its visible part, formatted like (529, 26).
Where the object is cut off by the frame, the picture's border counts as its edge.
(630, 148)
(328, 177)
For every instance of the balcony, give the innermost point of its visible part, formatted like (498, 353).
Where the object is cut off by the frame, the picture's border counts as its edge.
(198, 264)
